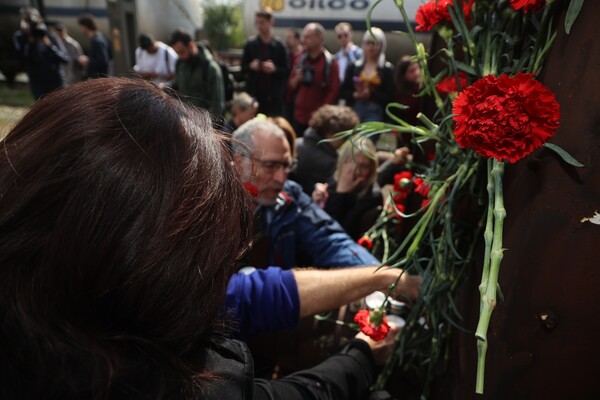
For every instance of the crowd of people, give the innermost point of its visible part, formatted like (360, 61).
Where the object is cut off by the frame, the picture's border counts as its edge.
(146, 239)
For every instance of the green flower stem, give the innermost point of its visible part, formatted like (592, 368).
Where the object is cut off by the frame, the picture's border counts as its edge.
(488, 234)
(537, 56)
(421, 57)
(431, 208)
(386, 246)
(481, 352)
(489, 298)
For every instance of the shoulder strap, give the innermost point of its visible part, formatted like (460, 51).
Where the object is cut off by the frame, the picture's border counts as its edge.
(167, 60)
(328, 61)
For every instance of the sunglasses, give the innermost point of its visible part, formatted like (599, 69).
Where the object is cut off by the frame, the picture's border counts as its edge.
(342, 35)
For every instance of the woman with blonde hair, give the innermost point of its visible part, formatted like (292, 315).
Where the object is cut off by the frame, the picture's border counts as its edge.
(354, 192)
(369, 82)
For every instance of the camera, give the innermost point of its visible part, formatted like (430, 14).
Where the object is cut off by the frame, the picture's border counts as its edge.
(308, 74)
(36, 28)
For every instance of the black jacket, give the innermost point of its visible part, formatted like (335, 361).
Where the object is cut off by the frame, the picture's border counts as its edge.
(382, 95)
(347, 375)
(268, 89)
(316, 161)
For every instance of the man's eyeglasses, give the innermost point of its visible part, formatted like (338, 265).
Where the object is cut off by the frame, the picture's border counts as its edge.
(273, 166)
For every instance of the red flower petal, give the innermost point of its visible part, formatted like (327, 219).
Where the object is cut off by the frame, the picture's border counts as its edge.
(377, 333)
(435, 12)
(252, 189)
(365, 242)
(527, 5)
(505, 118)
(450, 84)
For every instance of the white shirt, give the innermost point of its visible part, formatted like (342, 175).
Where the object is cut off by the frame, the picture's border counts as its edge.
(157, 62)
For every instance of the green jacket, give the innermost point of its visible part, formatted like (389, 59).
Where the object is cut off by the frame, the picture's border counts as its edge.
(200, 80)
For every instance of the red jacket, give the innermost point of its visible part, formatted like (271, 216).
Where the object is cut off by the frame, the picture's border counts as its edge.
(310, 97)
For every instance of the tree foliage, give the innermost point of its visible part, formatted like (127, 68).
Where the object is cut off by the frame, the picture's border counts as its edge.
(223, 24)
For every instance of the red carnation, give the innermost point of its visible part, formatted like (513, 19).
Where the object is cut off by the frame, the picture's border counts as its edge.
(421, 187)
(373, 324)
(450, 84)
(400, 181)
(400, 207)
(505, 118)
(432, 13)
(527, 5)
(252, 189)
(365, 242)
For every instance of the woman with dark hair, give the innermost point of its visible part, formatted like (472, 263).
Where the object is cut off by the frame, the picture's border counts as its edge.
(408, 80)
(121, 218)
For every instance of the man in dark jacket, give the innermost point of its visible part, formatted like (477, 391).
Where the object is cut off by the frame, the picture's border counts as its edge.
(97, 62)
(294, 230)
(265, 62)
(197, 75)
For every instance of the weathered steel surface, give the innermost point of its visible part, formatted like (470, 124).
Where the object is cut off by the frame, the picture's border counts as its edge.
(543, 339)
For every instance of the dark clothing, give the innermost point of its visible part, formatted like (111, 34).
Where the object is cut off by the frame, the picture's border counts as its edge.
(99, 56)
(380, 94)
(267, 89)
(345, 375)
(316, 161)
(386, 172)
(229, 127)
(42, 63)
(354, 212)
(321, 90)
(200, 79)
(415, 104)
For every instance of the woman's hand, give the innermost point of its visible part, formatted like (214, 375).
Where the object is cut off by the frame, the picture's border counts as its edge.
(320, 194)
(382, 349)
(408, 287)
(402, 156)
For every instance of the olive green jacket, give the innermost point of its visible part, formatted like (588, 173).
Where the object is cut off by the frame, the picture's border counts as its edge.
(200, 81)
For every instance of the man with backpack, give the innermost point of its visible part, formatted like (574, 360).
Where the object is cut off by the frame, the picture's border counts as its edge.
(315, 77)
(197, 76)
(154, 60)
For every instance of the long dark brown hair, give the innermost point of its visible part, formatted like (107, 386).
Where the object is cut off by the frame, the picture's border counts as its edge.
(121, 218)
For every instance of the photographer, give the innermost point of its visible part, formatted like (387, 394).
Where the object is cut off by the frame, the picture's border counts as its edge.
(315, 77)
(41, 54)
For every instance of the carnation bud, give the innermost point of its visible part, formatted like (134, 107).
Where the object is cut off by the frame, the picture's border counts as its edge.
(445, 32)
(376, 317)
(405, 183)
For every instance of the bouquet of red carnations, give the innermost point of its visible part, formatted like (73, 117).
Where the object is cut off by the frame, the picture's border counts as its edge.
(490, 110)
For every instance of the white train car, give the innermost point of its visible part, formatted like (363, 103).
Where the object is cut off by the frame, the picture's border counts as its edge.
(158, 17)
(298, 13)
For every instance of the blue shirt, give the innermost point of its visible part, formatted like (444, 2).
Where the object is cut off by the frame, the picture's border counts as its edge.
(265, 300)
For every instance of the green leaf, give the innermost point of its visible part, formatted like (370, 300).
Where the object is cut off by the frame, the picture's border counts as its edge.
(466, 68)
(572, 13)
(564, 155)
